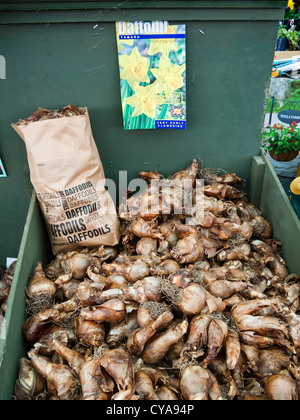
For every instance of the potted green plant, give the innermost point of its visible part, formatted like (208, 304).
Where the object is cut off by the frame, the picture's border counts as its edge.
(282, 142)
(286, 38)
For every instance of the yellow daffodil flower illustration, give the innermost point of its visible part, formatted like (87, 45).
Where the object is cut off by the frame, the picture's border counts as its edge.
(145, 100)
(164, 45)
(168, 75)
(135, 68)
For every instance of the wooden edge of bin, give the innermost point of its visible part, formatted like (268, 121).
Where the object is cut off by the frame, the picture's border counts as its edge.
(17, 273)
(276, 206)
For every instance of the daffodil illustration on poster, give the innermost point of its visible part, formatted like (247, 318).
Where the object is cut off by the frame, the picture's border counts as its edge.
(152, 72)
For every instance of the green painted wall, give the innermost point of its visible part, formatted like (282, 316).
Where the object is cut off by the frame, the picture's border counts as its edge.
(53, 64)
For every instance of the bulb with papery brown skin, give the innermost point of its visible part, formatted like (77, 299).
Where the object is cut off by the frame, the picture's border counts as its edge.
(143, 229)
(32, 329)
(146, 246)
(118, 364)
(96, 385)
(121, 331)
(253, 391)
(190, 173)
(282, 388)
(76, 264)
(87, 295)
(252, 339)
(70, 288)
(112, 311)
(168, 231)
(272, 361)
(229, 179)
(189, 249)
(279, 268)
(74, 359)
(166, 268)
(116, 281)
(160, 377)
(193, 300)
(70, 305)
(249, 307)
(105, 253)
(293, 322)
(89, 333)
(263, 325)
(94, 273)
(132, 271)
(40, 291)
(199, 384)
(233, 300)
(243, 229)
(144, 386)
(239, 252)
(175, 351)
(57, 359)
(182, 278)
(165, 393)
(294, 370)
(30, 384)
(233, 349)
(55, 332)
(223, 375)
(34, 326)
(145, 290)
(150, 205)
(261, 227)
(62, 382)
(158, 346)
(216, 337)
(198, 333)
(138, 339)
(149, 312)
(150, 176)
(225, 288)
(252, 355)
(54, 269)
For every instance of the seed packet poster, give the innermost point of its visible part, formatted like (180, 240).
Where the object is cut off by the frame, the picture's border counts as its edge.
(152, 58)
(2, 170)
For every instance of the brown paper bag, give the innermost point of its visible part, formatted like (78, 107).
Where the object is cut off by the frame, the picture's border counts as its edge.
(68, 177)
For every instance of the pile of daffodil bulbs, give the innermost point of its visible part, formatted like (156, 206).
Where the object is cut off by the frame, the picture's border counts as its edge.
(192, 305)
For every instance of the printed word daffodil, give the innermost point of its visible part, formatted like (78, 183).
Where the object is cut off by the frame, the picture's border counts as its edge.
(168, 76)
(135, 68)
(145, 100)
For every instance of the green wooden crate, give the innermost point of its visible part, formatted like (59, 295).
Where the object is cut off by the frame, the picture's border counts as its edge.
(266, 190)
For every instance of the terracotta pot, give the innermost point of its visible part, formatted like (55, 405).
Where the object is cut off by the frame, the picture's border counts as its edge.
(284, 157)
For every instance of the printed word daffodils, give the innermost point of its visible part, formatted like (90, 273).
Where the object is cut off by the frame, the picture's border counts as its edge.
(140, 28)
